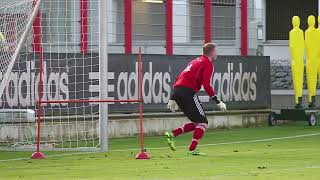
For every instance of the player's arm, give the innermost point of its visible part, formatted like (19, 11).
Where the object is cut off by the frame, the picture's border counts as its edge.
(207, 74)
(208, 71)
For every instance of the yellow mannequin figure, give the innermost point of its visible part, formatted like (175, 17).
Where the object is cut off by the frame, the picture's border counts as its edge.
(296, 43)
(2, 42)
(318, 59)
(312, 47)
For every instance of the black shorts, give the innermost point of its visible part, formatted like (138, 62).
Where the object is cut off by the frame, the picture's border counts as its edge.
(189, 104)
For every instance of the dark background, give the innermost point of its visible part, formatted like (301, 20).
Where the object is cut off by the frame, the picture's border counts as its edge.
(280, 12)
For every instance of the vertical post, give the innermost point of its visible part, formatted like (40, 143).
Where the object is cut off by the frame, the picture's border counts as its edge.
(103, 75)
(244, 27)
(143, 154)
(40, 89)
(38, 154)
(36, 9)
(37, 32)
(128, 26)
(169, 28)
(140, 99)
(84, 26)
(207, 21)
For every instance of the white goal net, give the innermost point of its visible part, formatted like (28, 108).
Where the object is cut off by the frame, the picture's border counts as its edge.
(65, 34)
(14, 18)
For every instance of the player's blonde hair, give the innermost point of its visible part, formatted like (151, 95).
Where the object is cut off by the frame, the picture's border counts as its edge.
(208, 47)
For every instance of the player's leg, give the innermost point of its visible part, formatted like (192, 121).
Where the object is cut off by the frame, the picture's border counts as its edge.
(178, 131)
(190, 105)
(199, 117)
(197, 135)
(183, 97)
(184, 129)
(170, 140)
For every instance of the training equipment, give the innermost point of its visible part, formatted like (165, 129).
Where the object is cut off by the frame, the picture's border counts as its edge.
(16, 20)
(318, 29)
(296, 43)
(312, 50)
(3, 43)
(309, 115)
(50, 60)
(57, 67)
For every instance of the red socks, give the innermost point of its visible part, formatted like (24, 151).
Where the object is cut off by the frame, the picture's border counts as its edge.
(197, 135)
(184, 129)
(199, 130)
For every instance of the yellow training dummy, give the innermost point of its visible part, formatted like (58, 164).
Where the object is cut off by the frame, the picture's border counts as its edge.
(3, 44)
(318, 59)
(312, 47)
(2, 38)
(296, 43)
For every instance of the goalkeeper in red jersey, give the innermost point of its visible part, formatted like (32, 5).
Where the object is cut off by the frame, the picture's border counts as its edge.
(198, 73)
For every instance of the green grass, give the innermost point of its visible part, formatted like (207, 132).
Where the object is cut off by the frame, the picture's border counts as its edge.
(294, 158)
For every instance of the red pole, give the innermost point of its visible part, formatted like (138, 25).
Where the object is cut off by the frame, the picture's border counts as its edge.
(84, 26)
(207, 21)
(38, 154)
(143, 154)
(128, 26)
(37, 48)
(40, 97)
(140, 98)
(169, 28)
(244, 27)
(37, 32)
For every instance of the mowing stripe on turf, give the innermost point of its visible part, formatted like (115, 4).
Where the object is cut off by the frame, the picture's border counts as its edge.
(202, 145)
(236, 142)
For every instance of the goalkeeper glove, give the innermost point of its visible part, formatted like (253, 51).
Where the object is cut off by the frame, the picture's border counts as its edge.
(221, 105)
(172, 105)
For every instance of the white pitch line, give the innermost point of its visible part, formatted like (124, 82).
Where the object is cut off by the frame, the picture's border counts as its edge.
(201, 145)
(16, 159)
(264, 140)
(55, 155)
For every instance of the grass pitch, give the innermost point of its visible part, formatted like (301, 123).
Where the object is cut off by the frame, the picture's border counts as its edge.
(286, 152)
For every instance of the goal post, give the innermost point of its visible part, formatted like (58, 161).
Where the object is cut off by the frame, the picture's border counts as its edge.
(103, 86)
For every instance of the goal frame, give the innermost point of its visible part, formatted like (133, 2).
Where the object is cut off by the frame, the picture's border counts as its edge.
(103, 92)
(103, 100)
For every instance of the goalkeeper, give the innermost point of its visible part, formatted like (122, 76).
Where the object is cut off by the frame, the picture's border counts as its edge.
(198, 73)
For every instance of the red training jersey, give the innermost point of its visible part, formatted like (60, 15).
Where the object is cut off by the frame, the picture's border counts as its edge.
(198, 73)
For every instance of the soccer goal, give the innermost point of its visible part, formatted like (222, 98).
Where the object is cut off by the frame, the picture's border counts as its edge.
(54, 76)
